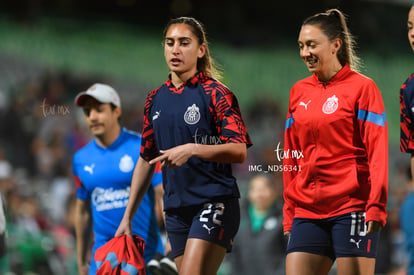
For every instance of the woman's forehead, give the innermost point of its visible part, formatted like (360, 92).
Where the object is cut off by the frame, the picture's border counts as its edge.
(310, 32)
(179, 30)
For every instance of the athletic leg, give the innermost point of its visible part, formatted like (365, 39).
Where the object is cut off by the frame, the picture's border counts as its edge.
(201, 258)
(211, 236)
(178, 260)
(200, 237)
(303, 263)
(356, 266)
(309, 248)
(355, 249)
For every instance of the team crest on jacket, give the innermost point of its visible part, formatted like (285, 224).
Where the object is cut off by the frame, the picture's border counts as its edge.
(330, 105)
(192, 115)
(126, 164)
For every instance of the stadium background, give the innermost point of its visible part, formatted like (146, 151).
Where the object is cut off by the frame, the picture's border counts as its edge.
(52, 49)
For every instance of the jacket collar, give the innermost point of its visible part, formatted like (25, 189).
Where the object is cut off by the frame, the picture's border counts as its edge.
(341, 75)
(192, 81)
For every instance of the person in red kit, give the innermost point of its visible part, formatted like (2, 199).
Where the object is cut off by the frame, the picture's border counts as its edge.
(336, 156)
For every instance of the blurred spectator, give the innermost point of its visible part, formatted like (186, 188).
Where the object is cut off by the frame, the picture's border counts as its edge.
(407, 225)
(5, 175)
(102, 191)
(259, 246)
(6, 170)
(63, 233)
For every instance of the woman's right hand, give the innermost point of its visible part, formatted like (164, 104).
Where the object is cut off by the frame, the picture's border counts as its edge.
(124, 228)
(286, 233)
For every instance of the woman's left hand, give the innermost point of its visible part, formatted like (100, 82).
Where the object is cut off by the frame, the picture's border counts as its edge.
(373, 226)
(174, 157)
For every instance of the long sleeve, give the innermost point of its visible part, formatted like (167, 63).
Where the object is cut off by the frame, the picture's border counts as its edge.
(374, 134)
(288, 175)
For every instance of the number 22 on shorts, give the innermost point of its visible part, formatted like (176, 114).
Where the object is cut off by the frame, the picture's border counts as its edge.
(218, 212)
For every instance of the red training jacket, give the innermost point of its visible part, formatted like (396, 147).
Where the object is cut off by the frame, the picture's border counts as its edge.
(336, 149)
(121, 255)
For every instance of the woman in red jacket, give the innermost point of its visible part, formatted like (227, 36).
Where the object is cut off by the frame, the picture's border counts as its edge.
(336, 156)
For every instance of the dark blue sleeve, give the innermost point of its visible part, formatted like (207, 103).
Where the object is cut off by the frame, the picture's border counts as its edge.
(81, 192)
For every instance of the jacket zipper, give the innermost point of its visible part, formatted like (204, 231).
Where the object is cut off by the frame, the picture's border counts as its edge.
(315, 136)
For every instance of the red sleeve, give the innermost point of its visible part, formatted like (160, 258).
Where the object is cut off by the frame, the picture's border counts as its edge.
(229, 122)
(374, 134)
(148, 147)
(289, 175)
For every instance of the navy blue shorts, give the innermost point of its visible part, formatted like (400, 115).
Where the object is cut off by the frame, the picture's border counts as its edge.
(216, 222)
(340, 236)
